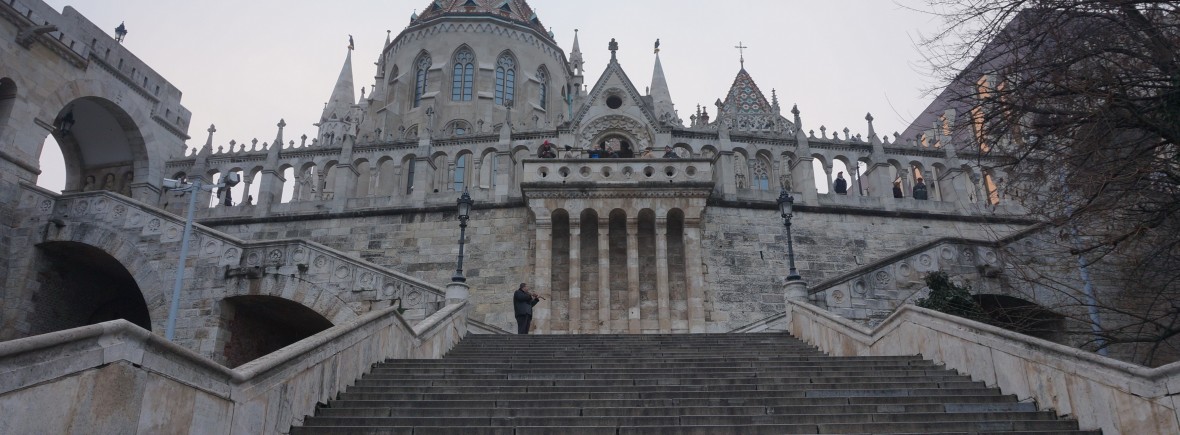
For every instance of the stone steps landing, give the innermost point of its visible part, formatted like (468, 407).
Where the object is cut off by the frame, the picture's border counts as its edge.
(765, 383)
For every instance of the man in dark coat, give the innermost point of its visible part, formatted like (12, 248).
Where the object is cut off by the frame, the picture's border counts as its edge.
(522, 304)
(920, 190)
(841, 185)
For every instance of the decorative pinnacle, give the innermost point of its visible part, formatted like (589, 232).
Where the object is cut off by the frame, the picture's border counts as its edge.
(795, 109)
(282, 123)
(212, 128)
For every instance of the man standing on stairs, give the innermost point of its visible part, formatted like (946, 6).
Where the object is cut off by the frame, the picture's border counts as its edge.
(522, 304)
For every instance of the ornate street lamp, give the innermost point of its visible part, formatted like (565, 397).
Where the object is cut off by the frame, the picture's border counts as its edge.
(786, 204)
(464, 214)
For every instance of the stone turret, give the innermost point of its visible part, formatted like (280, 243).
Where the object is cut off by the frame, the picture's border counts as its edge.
(661, 97)
(339, 117)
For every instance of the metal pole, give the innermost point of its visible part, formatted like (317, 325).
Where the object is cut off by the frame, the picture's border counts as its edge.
(792, 275)
(462, 235)
(170, 331)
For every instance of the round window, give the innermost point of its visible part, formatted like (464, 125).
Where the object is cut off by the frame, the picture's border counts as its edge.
(614, 102)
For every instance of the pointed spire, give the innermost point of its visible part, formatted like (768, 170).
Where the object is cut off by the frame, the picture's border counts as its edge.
(576, 55)
(661, 96)
(343, 95)
(208, 147)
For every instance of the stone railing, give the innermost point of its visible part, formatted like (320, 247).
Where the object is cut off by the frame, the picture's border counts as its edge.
(871, 292)
(115, 377)
(617, 171)
(1101, 393)
(357, 283)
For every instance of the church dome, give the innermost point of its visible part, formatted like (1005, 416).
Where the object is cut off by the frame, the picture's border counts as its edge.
(517, 11)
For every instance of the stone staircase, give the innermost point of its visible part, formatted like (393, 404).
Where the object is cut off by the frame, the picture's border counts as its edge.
(764, 383)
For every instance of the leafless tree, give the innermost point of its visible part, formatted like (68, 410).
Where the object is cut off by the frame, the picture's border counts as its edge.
(1077, 104)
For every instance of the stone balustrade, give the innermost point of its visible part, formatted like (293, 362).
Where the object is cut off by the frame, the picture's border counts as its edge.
(616, 171)
(1101, 393)
(114, 377)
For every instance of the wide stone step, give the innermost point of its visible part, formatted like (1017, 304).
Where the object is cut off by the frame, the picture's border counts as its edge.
(670, 384)
(359, 410)
(491, 402)
(916, 421)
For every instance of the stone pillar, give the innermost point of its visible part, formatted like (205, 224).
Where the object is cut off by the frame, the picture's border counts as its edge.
(345, 181)
(724, 175)
(633, 299)
(662, 292)
(575, 310)
(423, 170)
(803, 180)
(828, 176)
(796, 290)
(694, 275)
(604, 326)
(543, 271)
(854, 180)
(457, 293)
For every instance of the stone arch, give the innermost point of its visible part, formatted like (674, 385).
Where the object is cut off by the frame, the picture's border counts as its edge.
(132, 120)
(589, 229)
(93, 237)
(409, 172)
(685, 150)
(8, 92)
(98, 138)
(78, 285)
(364, 177)
(1025, 317)
(677, 270)
(762, 171)
(251, 326)
(463, 61)
(821, 167)
(598, 129)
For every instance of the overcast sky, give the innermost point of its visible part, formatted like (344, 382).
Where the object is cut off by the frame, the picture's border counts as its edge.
(243, 65)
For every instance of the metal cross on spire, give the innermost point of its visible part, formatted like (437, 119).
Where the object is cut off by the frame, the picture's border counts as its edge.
(741, 53)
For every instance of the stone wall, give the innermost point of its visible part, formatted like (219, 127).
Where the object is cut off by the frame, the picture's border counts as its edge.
(424, 245)
(746, 252)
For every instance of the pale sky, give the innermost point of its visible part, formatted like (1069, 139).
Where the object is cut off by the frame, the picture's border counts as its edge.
(243, 65)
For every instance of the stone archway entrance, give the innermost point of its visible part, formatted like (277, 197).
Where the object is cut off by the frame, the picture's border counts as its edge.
(255, 325)
(82, 285)
(101, 144)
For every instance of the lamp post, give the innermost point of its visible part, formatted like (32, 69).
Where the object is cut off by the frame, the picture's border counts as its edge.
(191, 188)
(464, 214)
(786, 203)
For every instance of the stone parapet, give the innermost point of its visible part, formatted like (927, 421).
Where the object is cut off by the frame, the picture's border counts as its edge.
(114, 377)
(616, 171)
(1102, 393)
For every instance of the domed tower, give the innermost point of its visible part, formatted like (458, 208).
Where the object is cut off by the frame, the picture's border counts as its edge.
(463, 67)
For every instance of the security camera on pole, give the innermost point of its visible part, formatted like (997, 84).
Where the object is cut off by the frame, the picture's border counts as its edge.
(228, 181)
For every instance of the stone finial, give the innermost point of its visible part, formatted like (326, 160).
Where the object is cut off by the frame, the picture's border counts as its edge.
(302, 142)
(823, 132)
(798, 120)
(846, 130)
(613, 47)
(872, 132)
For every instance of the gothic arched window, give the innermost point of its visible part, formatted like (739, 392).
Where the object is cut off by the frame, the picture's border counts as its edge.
(505, 79)
(460, 173)
(463, 76)
(543, 77)
(761, 174)
(420, 78)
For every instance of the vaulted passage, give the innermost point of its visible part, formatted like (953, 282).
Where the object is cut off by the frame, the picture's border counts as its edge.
(78, 285)
(257, 325)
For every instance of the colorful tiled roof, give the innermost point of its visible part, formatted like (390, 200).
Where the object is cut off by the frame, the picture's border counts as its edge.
(744, 97)
(515, 10)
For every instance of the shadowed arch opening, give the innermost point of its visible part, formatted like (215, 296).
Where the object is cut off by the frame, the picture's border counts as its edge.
(588, 281)
(7, 101)
(101, 145)
(1022, 316)
(256, 325)
(559, 274)
(79, 285)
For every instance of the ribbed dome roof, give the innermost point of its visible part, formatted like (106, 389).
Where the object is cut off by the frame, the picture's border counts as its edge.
(514, 10)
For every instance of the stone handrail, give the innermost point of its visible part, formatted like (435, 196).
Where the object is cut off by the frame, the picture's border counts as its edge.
(1100, 392)
(355, 279)
(876, 289)
(115, 377)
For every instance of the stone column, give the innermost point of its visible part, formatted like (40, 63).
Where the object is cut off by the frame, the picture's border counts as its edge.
(633, 320)
(543, 271)
(803, 180)
(662, 292)
(604, 326)
(796, 291)
(694, 275)
(575, 310)
(457, 293)
(270, 191)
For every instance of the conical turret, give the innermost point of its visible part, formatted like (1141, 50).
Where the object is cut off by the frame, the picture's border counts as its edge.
(661, 97)
(343, 95)
(576, 56)
(339, 117)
